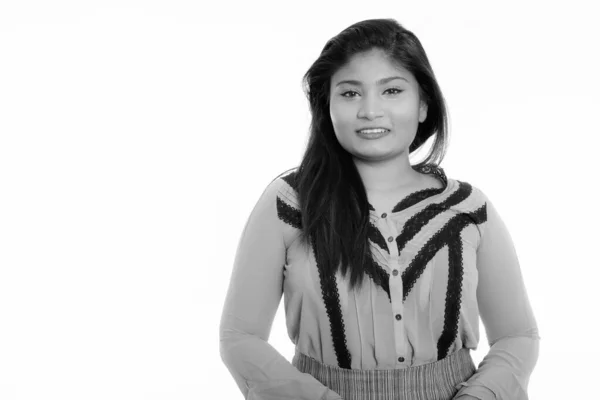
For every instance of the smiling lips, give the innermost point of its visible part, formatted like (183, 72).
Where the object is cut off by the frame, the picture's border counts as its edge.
(373, 133)
(372, 130)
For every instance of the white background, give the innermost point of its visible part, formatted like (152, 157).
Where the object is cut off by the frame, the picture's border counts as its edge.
(137, 136)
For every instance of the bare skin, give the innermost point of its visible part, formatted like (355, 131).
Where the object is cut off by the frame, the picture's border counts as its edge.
(374, 101)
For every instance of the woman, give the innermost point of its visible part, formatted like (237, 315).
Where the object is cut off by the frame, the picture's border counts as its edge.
(386, 267)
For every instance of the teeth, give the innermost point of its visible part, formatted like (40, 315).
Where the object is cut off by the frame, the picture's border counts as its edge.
(373, 130)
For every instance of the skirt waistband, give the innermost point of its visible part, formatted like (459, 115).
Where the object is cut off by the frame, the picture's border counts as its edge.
(434, 381)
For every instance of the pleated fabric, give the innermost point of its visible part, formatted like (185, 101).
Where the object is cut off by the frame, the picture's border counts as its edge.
(434, 381)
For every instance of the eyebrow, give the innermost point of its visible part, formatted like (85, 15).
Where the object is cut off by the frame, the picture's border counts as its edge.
(379, 82)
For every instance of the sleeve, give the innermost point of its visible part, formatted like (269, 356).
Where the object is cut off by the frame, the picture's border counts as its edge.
(252, 300)
(506, 313)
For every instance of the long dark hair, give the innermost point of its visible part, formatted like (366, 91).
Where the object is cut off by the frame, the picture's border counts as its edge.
(332, 198)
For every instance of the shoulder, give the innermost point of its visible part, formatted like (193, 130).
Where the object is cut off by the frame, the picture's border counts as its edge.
(480, 198)
(466, 195)
(287, 204)
(468, 203)
(284, 186)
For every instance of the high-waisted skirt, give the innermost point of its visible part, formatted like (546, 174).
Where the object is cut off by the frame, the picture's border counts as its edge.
(434, 381)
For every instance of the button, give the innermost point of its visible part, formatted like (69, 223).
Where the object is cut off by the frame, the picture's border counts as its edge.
(391, 239)
(395, 272)
(383, 215)
(401, 359)
(398, 317)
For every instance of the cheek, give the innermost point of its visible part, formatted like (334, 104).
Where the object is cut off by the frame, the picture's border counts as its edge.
(405, 113)
(344, 108)
(405, 120)
(339, 114)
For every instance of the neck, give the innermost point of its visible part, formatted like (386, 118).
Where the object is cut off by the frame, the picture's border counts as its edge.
(388, 175)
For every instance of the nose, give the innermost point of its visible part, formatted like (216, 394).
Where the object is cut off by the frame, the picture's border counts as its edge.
(370, 109)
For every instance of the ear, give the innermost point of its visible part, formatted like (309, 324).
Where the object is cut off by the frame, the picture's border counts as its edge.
(423, 111)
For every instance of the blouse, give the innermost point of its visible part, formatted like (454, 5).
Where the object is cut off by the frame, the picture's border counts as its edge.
(445, 257)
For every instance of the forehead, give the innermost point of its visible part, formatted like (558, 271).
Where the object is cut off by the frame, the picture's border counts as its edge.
(370, 66)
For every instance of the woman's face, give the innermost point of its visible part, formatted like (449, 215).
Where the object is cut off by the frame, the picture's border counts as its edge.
(392, 104)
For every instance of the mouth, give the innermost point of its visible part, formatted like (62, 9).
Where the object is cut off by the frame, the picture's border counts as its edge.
(373, 135)
(372, 129)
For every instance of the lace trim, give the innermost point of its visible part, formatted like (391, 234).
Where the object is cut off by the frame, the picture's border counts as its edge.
(453, 293)
(416, 197)
(375, 236)
(290, 179)
(329, 289)
(331, 298)
(449, 235)
(435, 170)
(422, 194)
(289, 214)
(379, 276)
(441, 238)
(431, 211)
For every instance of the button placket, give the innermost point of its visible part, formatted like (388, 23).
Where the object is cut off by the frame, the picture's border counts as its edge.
(396, 291)
(396, 288)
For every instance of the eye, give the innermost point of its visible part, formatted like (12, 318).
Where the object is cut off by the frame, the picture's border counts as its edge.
(352, 91)
(397, 90)
(344, 94)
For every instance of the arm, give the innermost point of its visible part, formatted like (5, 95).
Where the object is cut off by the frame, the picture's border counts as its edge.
(252, 300)
(506, 313)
